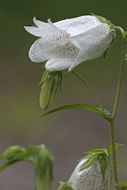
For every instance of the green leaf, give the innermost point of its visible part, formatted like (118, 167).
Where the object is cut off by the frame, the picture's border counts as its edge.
(123, 186)
(7, 164)
(77, 107)
(64, 186)
(117, 146)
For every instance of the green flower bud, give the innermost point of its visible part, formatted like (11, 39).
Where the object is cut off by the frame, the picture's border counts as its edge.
(49, 84)
(11, 152)
(43, 169)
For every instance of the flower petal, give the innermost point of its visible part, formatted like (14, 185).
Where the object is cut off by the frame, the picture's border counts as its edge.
(38, 23)
(78, 25)
(36, 52)
(33, 30)
(57, 64)
(92, 43)
(54, 43)
(47, 30)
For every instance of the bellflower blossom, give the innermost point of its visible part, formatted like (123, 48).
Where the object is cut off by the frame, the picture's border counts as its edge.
(67, 43)
(87, 179)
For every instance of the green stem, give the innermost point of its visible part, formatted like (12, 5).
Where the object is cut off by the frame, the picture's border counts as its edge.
(90, 89)
(116, 104)
(109, 175)
(115, 109)
(114, 161)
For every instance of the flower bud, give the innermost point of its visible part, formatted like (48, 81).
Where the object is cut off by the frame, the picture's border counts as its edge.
(87, 179)
(49, 85)
(43, 169)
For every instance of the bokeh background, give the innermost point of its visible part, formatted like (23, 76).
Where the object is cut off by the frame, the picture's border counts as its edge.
(67, 134)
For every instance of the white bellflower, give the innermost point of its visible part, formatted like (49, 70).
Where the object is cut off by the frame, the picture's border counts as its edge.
(67, 43)
(87, 179)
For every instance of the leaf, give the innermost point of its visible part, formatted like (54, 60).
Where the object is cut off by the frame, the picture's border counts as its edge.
(123, 186)
(7, 164)
(117, 146)
(64, 186)
(77, 107)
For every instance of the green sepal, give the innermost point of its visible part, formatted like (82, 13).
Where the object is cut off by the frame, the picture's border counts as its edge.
(64, 186)
(95, 156)
(111, 25)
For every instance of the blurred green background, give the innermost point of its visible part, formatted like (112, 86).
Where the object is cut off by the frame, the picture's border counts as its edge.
(67, 134)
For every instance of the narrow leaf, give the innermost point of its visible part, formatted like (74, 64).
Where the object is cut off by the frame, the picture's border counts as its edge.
(77, 107)
(7, 164)
(64, 186)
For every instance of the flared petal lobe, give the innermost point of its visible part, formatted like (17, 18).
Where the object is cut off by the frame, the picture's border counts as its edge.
(53, 45)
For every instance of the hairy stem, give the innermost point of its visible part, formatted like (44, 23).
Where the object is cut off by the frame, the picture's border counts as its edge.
(114, 161)
(109, 175)
(117, 98)
(90, 89)
(115, 110)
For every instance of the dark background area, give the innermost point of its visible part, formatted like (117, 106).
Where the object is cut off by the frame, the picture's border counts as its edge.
(67, 134)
